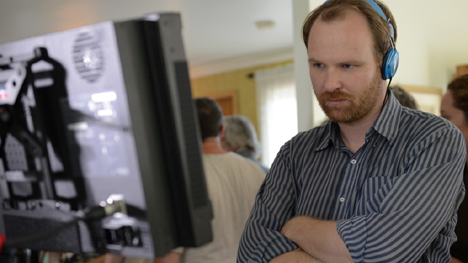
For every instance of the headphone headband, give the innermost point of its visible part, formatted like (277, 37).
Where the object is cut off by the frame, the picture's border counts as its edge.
(378, 9)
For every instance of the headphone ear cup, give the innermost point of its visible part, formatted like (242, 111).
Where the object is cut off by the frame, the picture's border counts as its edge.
(390, 64)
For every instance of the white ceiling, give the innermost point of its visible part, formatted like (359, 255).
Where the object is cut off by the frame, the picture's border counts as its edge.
(212, 29)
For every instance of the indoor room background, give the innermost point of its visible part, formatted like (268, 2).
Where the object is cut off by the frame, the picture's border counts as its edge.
(234, 46)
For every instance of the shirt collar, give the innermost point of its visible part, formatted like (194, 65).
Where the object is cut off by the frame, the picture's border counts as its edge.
(386, 125)
(333, 131)
(388, 122)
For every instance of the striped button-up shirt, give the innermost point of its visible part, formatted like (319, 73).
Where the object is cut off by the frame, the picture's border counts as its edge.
(394, 200)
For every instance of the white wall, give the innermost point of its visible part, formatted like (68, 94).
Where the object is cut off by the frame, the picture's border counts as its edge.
(432, 40)
(307, 107)
(23, 18)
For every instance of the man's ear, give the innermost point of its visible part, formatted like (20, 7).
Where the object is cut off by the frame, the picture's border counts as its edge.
(221, 132)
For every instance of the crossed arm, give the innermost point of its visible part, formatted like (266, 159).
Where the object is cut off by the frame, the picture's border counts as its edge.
(318, 241)
(171, 257)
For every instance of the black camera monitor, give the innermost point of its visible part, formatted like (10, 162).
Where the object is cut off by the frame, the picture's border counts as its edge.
(99, 144)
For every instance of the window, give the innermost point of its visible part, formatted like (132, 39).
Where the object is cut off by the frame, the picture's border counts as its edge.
(277, 109)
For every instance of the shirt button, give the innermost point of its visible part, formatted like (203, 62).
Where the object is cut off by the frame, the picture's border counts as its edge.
(353, 161)
(342, 199)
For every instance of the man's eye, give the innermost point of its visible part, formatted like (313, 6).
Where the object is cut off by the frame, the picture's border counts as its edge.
(347, 66)
(318, 65)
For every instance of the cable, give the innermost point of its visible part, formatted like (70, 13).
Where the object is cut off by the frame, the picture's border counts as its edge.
(92, 213)
(386, 96)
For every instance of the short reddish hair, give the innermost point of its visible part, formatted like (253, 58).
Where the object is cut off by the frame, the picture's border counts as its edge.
(379, 27)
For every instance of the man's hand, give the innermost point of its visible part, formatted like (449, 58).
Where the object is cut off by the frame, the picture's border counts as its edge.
(318, 238)
(295, 227)
(455, 260)
(171, 257)
(111, 258)
(295, 256)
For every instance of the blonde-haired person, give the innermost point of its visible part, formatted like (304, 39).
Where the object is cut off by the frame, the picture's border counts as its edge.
(240, 137)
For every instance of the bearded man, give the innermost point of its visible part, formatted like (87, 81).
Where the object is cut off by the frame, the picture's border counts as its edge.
(377, 183)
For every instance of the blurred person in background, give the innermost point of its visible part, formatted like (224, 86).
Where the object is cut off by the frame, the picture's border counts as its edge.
(454, 107)
(240, 137)
(404, 97)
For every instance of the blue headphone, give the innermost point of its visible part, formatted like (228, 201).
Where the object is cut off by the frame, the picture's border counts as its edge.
(391, 58)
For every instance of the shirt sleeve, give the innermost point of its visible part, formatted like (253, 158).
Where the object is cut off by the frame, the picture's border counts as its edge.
(178, 250)
(412, 210)
(274, 205)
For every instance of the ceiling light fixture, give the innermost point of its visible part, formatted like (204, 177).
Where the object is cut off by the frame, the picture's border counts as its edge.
(265, 24)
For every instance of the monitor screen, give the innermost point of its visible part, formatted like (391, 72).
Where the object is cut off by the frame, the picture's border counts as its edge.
(101, 115)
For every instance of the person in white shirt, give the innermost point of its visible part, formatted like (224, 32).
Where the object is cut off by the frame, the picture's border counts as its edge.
(233, 182)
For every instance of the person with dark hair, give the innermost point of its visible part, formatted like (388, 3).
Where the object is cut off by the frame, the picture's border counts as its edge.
(377, 183)
(454, 107)
(240, 137)
(404, 97)
(210, 118)
(233, 182)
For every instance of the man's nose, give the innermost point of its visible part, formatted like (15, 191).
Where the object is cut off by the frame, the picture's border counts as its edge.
(332, 80)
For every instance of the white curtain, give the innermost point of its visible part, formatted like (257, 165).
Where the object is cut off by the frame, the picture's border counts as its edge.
(276, 108)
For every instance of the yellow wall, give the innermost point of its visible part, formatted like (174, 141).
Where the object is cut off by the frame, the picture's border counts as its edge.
(238, 82)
